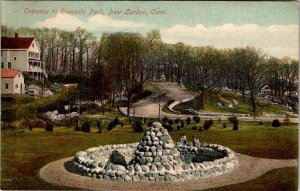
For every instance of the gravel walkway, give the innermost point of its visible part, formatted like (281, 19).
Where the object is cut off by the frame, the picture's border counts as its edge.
(250, 168)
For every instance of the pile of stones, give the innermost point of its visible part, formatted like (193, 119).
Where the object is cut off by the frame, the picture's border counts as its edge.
(58, 118)
(155, 158)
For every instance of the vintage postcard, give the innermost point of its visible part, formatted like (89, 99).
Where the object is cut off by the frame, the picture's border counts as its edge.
(149, 95)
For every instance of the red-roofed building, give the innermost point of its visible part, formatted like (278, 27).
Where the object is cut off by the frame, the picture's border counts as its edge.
(22, 53)
(12, 81)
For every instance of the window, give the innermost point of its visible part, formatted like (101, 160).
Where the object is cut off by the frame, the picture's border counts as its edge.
(6, 85)
(9, 65)
(1, 53)
(15, 58)
(17, 86)
(2, 64)
(32, 44)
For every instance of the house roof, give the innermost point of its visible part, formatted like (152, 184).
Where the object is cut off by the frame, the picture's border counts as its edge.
(11, 73)
(16, 42)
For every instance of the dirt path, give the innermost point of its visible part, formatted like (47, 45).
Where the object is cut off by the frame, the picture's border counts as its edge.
(149, 106)
(250, 168)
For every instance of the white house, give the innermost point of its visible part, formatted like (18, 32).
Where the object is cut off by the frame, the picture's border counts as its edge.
(24, 54)
(12, 82)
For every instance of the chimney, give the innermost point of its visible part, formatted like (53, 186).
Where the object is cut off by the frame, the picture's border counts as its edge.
(16, 35)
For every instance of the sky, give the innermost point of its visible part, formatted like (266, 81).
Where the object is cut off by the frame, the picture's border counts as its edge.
(270, 26)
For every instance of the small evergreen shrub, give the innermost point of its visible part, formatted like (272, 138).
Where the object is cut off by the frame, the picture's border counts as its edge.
(188, 120)
(165, 119)
(137, 127)
(86, 127)
(233, 119)
(117, 121)
(181, 123)
(178, 128)
(196, 119)
(194, 127)
(171, 122)
(49, 126)
(111, 125)
(224, 126)
(276, 123)
(149, 123)
(200, 129)
(260, 122)
(207, 124)
(177, 120)
(235, 126)
(121, 123)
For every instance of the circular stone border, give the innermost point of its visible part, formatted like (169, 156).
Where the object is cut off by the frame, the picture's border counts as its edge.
(85, 166)
(250, 168)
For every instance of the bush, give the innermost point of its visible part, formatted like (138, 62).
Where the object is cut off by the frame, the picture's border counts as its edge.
(196, 119)
(207, 124)
(98, 124)
(137, 127)
(165, 119)
(111, 125)
(168, 127)
(178, 127)
(194, 127)
(86, 127)
(235, 127)
(188, 120)
(171, 122)
(49, 126)
(33, 123)
(200, 129)
(122, 125)
(99, 130)
(77, 128)
(181, 123)
(224, 125)
(177, 120)
(233, 120)
(117, 121)
(260, 122)
(276, 123)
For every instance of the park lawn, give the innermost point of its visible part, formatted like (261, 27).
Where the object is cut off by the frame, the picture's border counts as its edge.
(274, 180)
(212, 100)
(24, 152)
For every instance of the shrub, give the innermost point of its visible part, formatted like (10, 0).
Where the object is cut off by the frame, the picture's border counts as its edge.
(177, 120)
(260, 122)
(207, 124)
(77, 128)
(181, 123)
(165, 119)
(200, 129)
(178, 127)
(171, 122)
(111, 125)
(188, 120)
(98, 124)
(49, 126)
(86, 127)
(122, 125)
(117, 121)
(233, 120)
(276, 123)
(137, 127)
(196, 119)
(235, 127)
(168, 127)
(194, 127)
(224, 125)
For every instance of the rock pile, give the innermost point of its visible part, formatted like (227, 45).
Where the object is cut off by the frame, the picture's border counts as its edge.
(156, 152)
(155, 158)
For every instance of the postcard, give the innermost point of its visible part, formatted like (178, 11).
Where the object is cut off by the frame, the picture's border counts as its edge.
(149, 95)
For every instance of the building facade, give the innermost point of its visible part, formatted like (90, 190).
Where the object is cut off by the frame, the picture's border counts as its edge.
(24, 54)
(12, 82)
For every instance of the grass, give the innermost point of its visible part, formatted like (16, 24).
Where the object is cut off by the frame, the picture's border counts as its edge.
(24, 152)
(274, 180)
(211, 104)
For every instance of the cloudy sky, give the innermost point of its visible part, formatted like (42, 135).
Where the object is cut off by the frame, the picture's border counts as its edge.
(271, 26)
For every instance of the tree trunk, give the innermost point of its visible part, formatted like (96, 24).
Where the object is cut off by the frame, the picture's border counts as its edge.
(202, 100)
(253, 103)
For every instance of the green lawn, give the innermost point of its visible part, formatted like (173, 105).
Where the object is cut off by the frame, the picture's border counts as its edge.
(284, 179)
(24, 153)
(211, 104)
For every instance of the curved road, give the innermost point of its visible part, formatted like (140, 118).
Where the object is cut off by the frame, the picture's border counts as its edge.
(149, 107)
